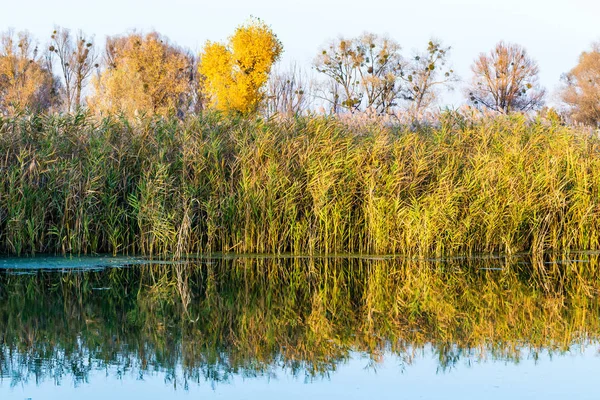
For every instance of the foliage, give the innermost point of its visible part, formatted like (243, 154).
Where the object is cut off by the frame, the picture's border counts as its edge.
(581, 90)
(506, 80)
(235, 73)
(25, 82)
(144, 75)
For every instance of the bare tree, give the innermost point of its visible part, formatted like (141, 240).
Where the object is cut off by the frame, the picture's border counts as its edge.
(381, 67)
(369, 72)
(76, 58)
(581, 88)
(505, 80)
(328, 96)
(194, 99)
(341, 62)
(425, 74)
(288, 92)
(363, 73)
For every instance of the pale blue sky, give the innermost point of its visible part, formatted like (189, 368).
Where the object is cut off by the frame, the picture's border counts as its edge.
(555, 32)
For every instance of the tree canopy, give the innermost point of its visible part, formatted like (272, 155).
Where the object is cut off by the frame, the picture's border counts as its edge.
(144, 74)
(505, 80)
(25, 81)
(581, 90)
(235, 73)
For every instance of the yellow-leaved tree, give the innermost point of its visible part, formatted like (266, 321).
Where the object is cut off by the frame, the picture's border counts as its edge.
(234, 74)
(25, 81)
(581, 90)
(143, 75)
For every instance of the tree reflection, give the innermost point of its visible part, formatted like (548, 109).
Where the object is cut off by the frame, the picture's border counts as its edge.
(212, 319)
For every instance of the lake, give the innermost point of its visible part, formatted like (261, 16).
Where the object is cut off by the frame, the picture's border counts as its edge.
(263, 327)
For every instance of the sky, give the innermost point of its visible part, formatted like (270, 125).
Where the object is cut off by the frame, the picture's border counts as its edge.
(554, 32)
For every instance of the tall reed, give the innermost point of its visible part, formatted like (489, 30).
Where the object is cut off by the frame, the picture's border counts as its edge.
(72, 184)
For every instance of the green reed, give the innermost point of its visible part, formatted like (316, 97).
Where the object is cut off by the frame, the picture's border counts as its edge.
(72, 184)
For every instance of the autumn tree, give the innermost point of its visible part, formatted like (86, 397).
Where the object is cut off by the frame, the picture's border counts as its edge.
(425, 74)
(505, 80)
(235, 73)
(76, 58)
(25, 81)
(581, 88)
(143, 74)
(363, 73)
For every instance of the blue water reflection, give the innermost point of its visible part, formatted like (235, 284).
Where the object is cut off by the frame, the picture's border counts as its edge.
(267, 328)
(571, 375)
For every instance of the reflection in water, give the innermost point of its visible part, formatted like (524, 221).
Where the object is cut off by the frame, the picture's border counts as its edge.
(214, 319)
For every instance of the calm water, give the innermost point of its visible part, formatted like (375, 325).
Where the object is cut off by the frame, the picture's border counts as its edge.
(297, 328)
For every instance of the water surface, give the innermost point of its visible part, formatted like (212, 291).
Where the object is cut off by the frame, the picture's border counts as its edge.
(267, 327)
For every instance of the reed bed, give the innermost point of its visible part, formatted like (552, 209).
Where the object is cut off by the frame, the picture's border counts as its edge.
(164, 187)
